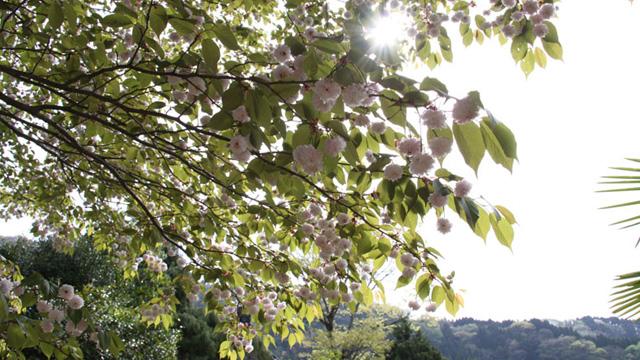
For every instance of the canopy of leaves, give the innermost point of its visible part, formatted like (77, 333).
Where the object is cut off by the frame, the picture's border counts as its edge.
(231, 135)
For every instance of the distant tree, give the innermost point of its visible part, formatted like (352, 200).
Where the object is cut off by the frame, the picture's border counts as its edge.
(410, 344)
(362, 337)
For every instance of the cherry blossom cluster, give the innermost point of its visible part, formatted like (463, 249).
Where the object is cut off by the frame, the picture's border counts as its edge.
(58, 315)
(154, 263)
(240, 342)
(415, 306)
(531, 10)
(151, 312)
(271, 310)
(9, 288)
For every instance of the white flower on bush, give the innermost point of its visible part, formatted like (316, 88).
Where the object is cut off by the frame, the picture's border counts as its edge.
(547, 11)
(409, 146)
(238, 144)
(281, 53)
(407, 259)
(5, 286)
(321, 104)
(437, 200)
(393, 172)
(444, 225)
(75, 330)
(420, 164)
(75, 302)
(462, 188)
(377, 127)
(310, 34)
(434, 119)
(241, 115)
(65, 292)
(298, 68)
(307, 228)
(465, 110)
(361, 120)
(334, 146)
(327, 89)
(43, 306)
(46, 326)
(354, 95)
(343, 219)
(408, 272)
(509, 30)
(308, 158)
(540, 30)
(282, 72)
(55, 315)
(530, 6)
(440, 146)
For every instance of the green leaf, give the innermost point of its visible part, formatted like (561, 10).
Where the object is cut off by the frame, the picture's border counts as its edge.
(438, 294)
(328, 46)
(519, 48)
(55, 15)
(553, 49)
(392, 110)
(493, 146)
(423, 285)
(117, 20)
(210, 53)
(503, 230)
(258, 108)
(233, 97)
(46, 348)
(541, 58)
(158, 19)
(367, 295)
(70, 15)
(470, 143)
(183, 27)
(220, 121)
(433, 84)
(507, 214)
(528, 63)
(224, 33)
(15, 336)
(302, 136)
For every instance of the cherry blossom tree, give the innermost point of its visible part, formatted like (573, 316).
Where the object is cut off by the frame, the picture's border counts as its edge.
(271, 147)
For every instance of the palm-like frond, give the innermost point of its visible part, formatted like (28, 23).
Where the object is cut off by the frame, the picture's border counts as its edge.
(625, 300)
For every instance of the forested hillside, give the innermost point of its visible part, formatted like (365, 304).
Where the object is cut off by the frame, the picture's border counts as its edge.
(585, 339)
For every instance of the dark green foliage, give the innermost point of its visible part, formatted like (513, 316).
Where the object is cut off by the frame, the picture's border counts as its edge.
(112, 301)
(85, 266)
(410, 344)
(198, 339)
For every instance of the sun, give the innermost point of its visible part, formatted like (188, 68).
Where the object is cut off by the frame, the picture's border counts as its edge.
(388, 29)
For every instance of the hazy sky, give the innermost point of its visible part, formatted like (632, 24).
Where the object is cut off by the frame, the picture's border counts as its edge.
(572, 121)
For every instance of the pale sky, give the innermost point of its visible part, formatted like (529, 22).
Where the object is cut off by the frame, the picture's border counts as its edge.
(571, 120)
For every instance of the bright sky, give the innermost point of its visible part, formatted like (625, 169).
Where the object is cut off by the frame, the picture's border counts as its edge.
(572, 121)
